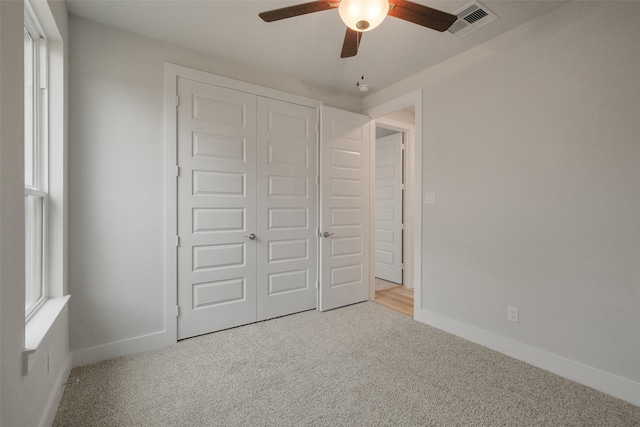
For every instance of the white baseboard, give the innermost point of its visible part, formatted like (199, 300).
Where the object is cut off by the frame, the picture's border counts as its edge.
(49, 414)
(605, 382)
(90, 355)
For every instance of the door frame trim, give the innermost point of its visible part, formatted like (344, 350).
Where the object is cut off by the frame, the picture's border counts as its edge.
(413, 185)
(171, 74)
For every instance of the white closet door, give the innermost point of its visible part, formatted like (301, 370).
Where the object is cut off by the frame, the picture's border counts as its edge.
(388, 212)
(345, 208)
(216, 208)
(287, 208)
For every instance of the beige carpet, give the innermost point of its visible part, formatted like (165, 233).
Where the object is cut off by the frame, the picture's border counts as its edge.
(359, 365)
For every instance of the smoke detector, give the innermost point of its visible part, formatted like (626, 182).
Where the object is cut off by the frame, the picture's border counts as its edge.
(362, 85)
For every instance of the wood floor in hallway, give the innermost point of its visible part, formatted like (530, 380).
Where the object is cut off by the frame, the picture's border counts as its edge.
(398, 298)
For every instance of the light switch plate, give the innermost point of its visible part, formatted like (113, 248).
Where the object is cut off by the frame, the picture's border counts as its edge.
(429, 198)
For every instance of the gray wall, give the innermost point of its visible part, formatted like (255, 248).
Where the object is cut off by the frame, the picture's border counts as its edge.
(531, 144)
(116, 175)
(11, 204)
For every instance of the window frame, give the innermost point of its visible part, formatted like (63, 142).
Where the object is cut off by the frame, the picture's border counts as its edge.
(39, 157)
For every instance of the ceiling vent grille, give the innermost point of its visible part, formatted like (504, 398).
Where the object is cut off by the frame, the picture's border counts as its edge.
(470, 18)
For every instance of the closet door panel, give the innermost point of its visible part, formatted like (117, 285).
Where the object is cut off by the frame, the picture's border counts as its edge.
(216, 208)
(247, 208)
(287, 208)
(345, 208)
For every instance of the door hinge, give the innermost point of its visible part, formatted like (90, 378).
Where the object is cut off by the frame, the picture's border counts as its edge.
(401, 226)
(317, 179)
(402, 146)
(177, 170)
(177, 100)
(177, 311)
(177, 241)
(317, 284)
(402, 186)
(318, 232)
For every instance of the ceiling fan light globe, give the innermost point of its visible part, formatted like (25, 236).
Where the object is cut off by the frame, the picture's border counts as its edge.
(363, 15)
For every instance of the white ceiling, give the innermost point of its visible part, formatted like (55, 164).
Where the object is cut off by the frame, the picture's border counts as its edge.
(306, 47)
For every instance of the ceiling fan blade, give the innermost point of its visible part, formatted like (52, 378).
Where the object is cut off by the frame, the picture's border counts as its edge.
(297, 10)
(351, 43)
(421, 15)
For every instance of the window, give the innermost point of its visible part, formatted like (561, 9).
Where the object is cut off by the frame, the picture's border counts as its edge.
(35, 167)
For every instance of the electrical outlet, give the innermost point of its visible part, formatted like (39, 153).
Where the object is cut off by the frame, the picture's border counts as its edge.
(512, 314)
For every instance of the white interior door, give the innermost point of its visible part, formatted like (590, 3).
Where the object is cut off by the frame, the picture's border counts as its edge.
(287, 208)
(388, 211)
(344, 208)
(216, 208)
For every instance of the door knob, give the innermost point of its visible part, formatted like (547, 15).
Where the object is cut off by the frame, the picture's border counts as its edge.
(327, 234)
(251, 236)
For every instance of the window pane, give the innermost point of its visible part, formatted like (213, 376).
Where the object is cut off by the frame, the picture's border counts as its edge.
(29, 106)
(34, 214)
(35, 164)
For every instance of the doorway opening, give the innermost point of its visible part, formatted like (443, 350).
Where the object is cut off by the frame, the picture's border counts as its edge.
(392, 231)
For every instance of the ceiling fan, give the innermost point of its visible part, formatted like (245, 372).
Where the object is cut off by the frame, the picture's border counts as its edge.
(365, 15)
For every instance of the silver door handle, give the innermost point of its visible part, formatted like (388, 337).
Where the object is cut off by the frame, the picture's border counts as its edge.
(251, 236)
(327, 234)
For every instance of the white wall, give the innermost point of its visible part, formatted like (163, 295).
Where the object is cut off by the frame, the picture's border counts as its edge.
(29, 400)
(116, 178)
(531, 142)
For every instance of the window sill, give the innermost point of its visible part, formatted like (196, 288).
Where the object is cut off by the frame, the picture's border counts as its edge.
(38, 326)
